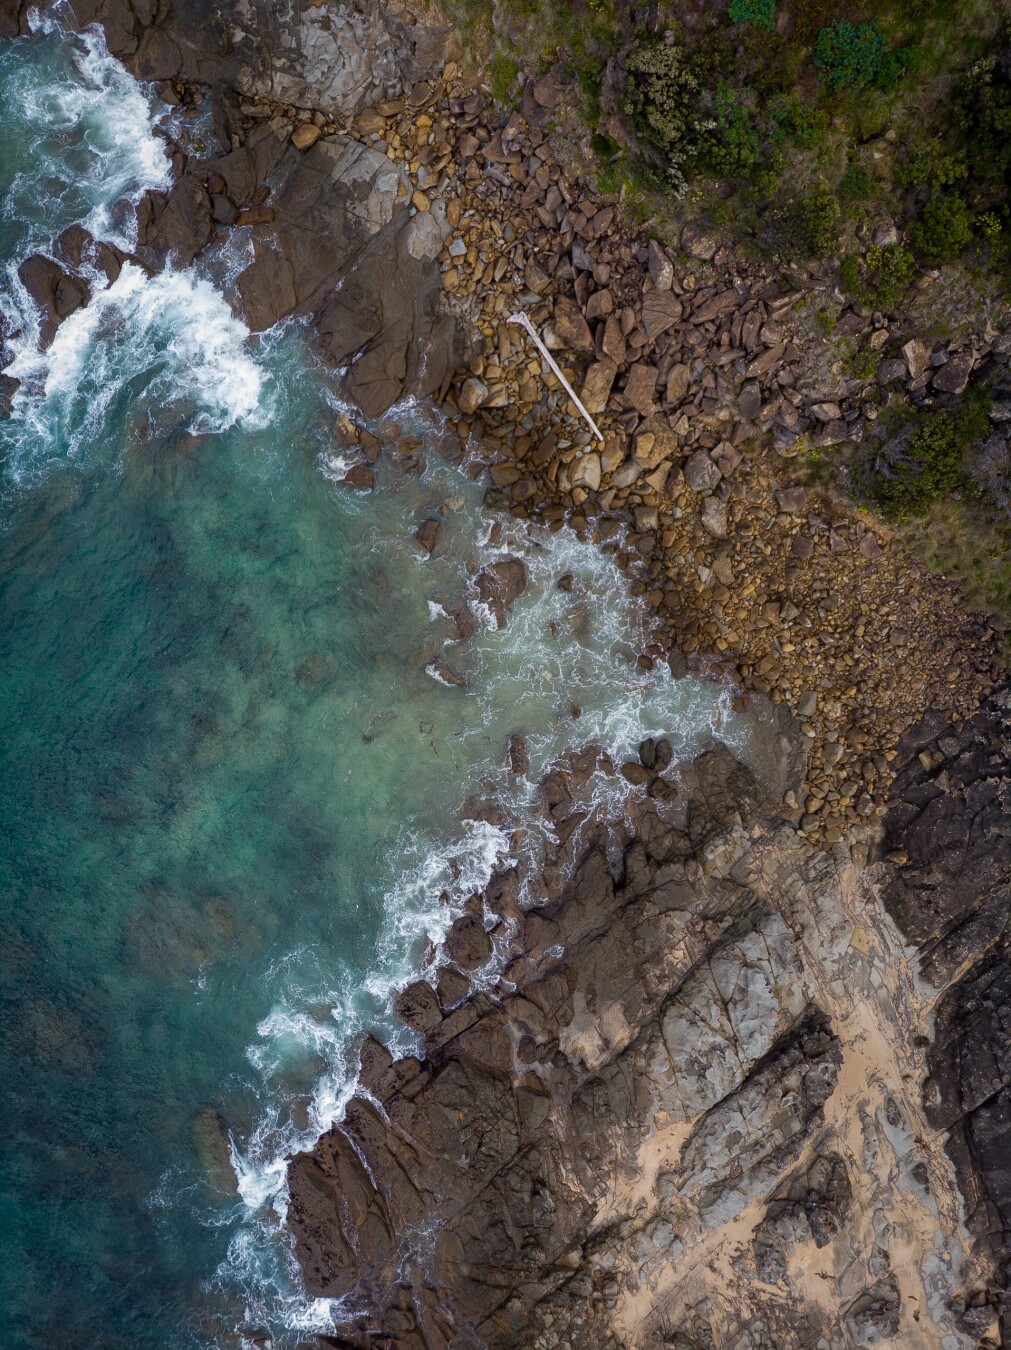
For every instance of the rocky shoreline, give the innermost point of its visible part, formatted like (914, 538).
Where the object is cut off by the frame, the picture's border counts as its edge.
(691, 1110)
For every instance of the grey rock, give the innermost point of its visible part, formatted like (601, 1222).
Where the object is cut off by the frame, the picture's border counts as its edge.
(701, 474)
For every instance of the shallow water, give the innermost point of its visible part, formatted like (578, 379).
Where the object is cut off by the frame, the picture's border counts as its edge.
(230, 789)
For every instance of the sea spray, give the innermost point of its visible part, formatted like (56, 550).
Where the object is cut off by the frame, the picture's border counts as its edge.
(85, 135)
(235, 794)
(561, 671)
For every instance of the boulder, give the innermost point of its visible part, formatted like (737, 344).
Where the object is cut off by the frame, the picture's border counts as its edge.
(467, 944)
(597, 386)
(571, 327)
(55, 293)
(953, 376)
(661, 269)
(701, 474)
(699, 241)
(499, 584)
(418, 1007)
(586, 471)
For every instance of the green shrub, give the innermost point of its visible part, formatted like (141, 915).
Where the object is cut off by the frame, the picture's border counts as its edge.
(932, 167)
(502, 73)
(761, 13)
(863, 365)
(888, 274)
(817, 220)
(661, 101)
(982, 107)
(802, 123)
(856, 184)
(849, 274)
(852, 56)
(928, 464)
(944, 230)
(732, 147)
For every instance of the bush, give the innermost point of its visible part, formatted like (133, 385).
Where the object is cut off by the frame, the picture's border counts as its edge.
(916, 470)
(856, 184)
(732, 147)
(817, 220)
(932, 167)
(982, 106)
(849, 274)
(889, 273)
(661, 100)
(803, 124)
(944, 230)
(761, 13)
(852, 56)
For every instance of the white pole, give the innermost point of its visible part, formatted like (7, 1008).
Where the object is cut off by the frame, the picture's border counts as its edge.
(524, 322)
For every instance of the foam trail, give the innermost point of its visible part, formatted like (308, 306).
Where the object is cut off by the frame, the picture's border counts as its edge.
(169, 341)
(559, 648)
(87, 133)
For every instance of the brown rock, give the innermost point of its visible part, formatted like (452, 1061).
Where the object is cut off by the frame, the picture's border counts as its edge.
(473, 395)
(305, 134)
(499, 584)
(701, 474)
(597, 386)
(660, 311)
(599, 305)
(571, 327)
(427, 535)
(418, 1007)
(636, 774)
(640, 388)
(698, 241)
(467, 943)
(519, 756)
(612, 342)
(586, 471)
(678, 383)
(360, 476)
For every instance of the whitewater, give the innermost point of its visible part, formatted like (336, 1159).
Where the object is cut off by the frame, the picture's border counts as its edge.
(234, 793)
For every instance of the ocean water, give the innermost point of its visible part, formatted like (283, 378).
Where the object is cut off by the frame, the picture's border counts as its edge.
(230, 787)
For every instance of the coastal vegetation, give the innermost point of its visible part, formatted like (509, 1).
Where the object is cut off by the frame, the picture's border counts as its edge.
(867, 142)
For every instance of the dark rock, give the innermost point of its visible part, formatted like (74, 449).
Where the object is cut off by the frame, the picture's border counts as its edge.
(698, 241)
(467, 943)
(499, 584)
(634, 773)
(418, 1007)
(427, 535)
(519, 757)
(360, 476)
(701, 474)
(54, 293)
(953, 377)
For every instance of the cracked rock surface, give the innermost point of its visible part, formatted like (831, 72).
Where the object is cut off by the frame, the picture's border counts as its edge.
(687, 1112)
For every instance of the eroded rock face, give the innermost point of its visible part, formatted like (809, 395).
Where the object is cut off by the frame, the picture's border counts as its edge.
(684, 1115)
(949, 836)
(331, 228)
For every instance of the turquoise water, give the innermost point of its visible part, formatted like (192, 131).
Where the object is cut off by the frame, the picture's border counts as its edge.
(230, 789)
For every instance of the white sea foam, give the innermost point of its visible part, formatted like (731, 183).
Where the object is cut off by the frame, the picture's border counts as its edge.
(557, 648)
(169, 339)
(104, 121)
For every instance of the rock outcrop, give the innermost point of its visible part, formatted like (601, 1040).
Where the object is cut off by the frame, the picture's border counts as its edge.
(949, 836)
(687, 1112)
